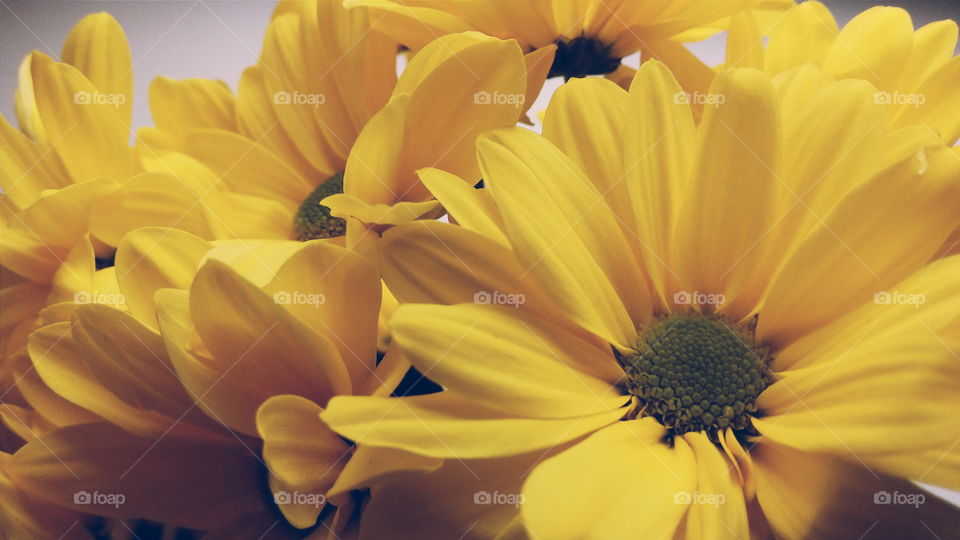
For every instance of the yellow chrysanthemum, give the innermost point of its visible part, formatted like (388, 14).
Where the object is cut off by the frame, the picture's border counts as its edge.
(174, 384)
(322, 91)
(591, 36)
(726, 320)
(916, 73)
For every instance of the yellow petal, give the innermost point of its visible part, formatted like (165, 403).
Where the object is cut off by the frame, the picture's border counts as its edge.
(739, 142)
(874, 45)
(25, 515)
(247, 167)
(177, 106)
(85, 127)
(345, 206)
(446, 425)
(659, 143)
(369, 465)
(940, 98)
(57, 359)
(479, 88)
(817, 496)
(98, 47)
(851, 255)
(718, 509)
(149, 200)
(530, 367)
(585, 120)
(744, 42)
(412, 26)
(473, 209)
(149, 259)
(258, 350)
(257, 120)
(899, 351)
(565, 234)
(170, 479)
(26, 167)
(437, 263)
(933, 46)
(452, 501)
(335, 292)
(300, 450)
(837, 133)
(809, 23)
(629, 481)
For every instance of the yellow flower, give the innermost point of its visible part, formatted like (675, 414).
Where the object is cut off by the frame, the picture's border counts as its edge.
(174, 382)
(258, 166)
(591, 36)
(726, 320)
(916, 73)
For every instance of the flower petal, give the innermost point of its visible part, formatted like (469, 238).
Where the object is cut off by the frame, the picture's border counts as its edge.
(565, 234)
(516, 362)
(627, 480)
(446, 425)
(806, 495)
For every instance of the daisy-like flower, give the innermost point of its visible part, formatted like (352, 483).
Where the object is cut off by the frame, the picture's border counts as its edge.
(591, 36)
(174, 383)
(325, 88)
(730, 337)
(915, 71)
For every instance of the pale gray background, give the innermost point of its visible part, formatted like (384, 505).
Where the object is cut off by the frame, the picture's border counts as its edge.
(218, 38)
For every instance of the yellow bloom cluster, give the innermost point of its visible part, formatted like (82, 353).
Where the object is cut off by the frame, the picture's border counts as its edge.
(339, 302)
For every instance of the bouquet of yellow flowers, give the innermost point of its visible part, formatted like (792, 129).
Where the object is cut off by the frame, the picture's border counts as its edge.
(376, 292)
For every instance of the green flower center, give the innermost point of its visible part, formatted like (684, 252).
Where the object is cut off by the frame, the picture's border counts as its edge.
(313, 220)
(696, 372)
(582, 56)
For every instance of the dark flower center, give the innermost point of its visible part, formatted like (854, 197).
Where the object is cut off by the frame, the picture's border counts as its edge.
(313, 220)
(582, 56)
(696, 372)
